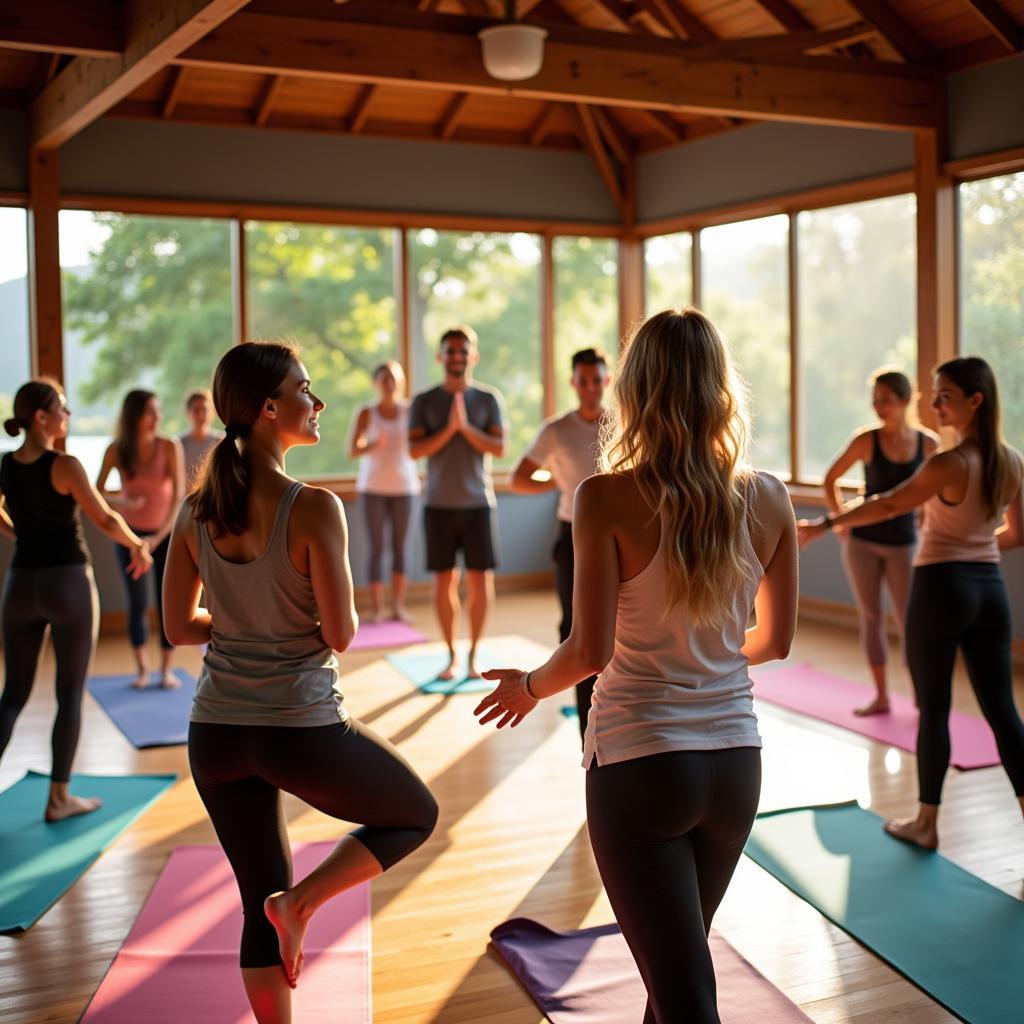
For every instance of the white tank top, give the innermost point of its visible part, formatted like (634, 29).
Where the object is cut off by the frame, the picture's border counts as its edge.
(388, 469)
(670, 685)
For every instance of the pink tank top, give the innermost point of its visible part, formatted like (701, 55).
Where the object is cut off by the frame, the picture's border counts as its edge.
(152, 482)
(963, 532)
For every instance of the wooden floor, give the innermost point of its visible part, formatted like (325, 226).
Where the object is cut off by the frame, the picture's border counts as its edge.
(511, 841)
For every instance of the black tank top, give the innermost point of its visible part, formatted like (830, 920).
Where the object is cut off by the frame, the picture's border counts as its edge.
(48, 525)
(880, 475)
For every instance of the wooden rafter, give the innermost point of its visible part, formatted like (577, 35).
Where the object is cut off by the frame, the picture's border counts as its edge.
(618, 142)
(93, 29)
(46, 68)
(907, 43)
(359, 112)
(538, 131)
(680, 21)
(590, 135)
(813, 89)
(268, 94)
(173, 92)
(449, 123)
(786, 15)
(667, 127)
(999, 23)
(89, 86)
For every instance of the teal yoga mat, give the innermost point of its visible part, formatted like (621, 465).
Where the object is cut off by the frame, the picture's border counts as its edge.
(40, 862)
(954, 936)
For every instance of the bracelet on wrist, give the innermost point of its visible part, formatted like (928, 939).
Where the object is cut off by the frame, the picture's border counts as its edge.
(526, 685)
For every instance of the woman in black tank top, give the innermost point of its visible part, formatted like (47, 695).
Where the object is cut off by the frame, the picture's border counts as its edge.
(50, 582)
(883, 551)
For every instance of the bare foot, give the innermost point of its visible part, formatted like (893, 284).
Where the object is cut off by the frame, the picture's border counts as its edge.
(291, 930)
(169, 681)
(141, 681)
(912, 830)
(58, 810)
(401, 615)
(472, 671)
(879, 706)
(447, 674)
(373, 616)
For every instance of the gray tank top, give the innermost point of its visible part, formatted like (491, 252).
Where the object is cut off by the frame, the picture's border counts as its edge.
(266, 663)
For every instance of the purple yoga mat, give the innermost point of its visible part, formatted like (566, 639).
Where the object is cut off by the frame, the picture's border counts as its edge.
(371, 635)
(832, 699)
(590, 977)
(180, 960)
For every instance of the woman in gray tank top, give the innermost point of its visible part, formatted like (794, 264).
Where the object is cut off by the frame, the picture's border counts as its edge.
(271, 555)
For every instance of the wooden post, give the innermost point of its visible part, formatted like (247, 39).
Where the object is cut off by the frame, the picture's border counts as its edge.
(44, 263)
(937, 285)
(239, 278)
(631, 284)
(547, 324)
(401, 286)
(696, 283)
(794, 351)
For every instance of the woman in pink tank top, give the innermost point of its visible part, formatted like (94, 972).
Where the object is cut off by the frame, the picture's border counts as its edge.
(152, 473)
(973, 510)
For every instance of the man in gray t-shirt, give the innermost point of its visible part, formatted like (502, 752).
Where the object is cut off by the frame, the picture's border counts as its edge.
(458, 427)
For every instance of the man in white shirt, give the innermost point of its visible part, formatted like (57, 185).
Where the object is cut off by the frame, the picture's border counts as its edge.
(567, 447)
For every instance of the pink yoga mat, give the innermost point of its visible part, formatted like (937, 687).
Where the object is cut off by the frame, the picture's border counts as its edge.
(832, 699)
(371, 635)
(180, 960)
(590, 977)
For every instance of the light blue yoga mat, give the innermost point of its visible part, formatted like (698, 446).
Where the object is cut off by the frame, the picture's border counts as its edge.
(951, 934)
(40, 862)
(153, 717)
(422, 669)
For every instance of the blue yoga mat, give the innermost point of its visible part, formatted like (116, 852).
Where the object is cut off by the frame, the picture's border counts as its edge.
(153, 717)
(422, 669)
(954, 936)
(40, 862)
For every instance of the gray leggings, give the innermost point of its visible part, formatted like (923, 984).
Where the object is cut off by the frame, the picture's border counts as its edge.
(62, 597)
(378, 508)
(867, 564)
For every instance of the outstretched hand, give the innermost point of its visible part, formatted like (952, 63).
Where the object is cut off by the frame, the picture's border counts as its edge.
(508, 702)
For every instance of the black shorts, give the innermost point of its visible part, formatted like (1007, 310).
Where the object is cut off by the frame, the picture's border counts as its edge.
(451, 530)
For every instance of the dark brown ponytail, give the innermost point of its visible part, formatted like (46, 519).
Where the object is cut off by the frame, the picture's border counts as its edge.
(245, 378)
(38, 393)
(126, 440)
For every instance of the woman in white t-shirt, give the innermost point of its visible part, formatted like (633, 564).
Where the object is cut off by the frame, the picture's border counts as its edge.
(387, 482)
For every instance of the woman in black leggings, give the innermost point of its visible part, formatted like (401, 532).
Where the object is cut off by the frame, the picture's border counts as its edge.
(973, 509)
(50, 581)
(271, 555)
(674, 547)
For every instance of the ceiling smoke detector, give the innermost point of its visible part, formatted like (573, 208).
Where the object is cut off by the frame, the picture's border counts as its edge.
(513, 52)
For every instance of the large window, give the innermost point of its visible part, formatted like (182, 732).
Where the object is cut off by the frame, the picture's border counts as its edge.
(490, 281)
(148, 303)
(745, 292)
(332, 291)
(992, 287)
(14, 329)
(586, 305)
(857, 268)
(668, 272)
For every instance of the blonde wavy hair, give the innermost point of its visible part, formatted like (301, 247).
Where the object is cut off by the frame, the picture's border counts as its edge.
(678, 423)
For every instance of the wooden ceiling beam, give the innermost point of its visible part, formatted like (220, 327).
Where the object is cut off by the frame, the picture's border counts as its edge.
(907, 43)
(268, 94)
(46, 68)
(590, 136)
(359, 112)
(173, 92)
(667, 127)
(807, 89)
(449, 123)
(786, 15)
(998, 22)
(618, 142)
(93, 29)
(538, 131)
(679, 20)
(89, 86)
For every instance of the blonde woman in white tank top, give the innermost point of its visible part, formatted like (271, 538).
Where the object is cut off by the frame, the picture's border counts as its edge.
(973, 505)
(676, 545)
(387, 483)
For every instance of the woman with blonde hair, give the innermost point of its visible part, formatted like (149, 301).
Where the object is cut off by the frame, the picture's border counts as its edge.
(387, 482)
(882, 552)
(973, 502)
(677, 542)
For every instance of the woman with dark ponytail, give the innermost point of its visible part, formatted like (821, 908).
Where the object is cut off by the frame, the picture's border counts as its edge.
(973, 509)
(50, 581)
(152, 471)
(271, 556)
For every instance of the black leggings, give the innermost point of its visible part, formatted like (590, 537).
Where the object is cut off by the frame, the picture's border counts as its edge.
(378, 508)
(565, 565)
(667, 831)
(344, 770)
(961, 604)
(62, 597)
(138, 594)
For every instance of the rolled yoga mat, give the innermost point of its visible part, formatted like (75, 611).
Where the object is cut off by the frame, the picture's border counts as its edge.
(954, 936)
(373, 635)
(832, 699)
(180, 960)
(153, 717)
(590, 977)
(420, 665)
(39, 862)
